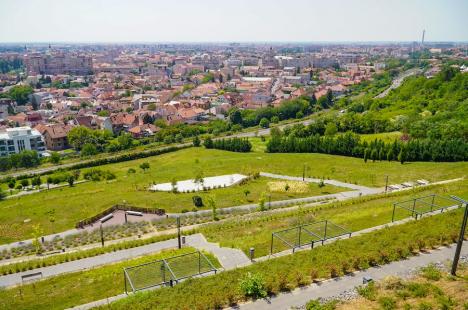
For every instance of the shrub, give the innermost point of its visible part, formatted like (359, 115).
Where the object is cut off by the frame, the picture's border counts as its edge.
(131, 170)
(252, 285)
(197, 201)
(368, 291)
(431, 273)
(387, 303)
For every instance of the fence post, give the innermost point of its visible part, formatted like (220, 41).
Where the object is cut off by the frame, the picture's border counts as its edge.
(326, 224)
(393, 213)
(178, 233)
(300, 230)
(271, 245)
(199, 262)
(125, 282)
(414, 206)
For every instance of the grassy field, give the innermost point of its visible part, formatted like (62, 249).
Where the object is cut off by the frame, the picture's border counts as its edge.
(288, 272)
(60, 209)
(77, 288)
(255, 231)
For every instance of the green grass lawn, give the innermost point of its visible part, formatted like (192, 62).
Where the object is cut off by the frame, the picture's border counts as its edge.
(255, 231)
(78, 288)
(61, 209)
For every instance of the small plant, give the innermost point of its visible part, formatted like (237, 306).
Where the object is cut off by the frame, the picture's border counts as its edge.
(197, 201)
(431, 273)
(253, 285)
(131, 171)
(387, 303)
(368, 291)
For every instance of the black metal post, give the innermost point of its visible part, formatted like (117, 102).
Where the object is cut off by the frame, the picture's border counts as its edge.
(125, 217)
(178, 233)
(303, 173)
(199, 262)
(269, 201)
(414, 206)
(271, 245)
(393, 213)
(386, 183)
(102, 235)
(125, 282)
(300, 228)
(461, 237)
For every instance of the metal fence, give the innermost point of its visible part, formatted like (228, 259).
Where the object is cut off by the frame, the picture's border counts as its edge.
(417, 207)
(305, 235)
(166, 272)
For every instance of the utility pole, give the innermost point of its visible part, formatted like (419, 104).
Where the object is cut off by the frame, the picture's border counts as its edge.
(462, 234)
(178, 233)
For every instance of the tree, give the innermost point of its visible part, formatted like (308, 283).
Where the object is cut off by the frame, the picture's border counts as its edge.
(199, 178)
(373, 155)
(261, 202)
(144, 166)
(89, 149)
(313, 100)
(331, 129)
(11, 184)
(2, 194)
(54, 158)
(402, 156)
(212, 205)
(174, 185)
(246, 192)
(50, 180)
(20, 93)
(36, 234)
(208, 143)
(197, 201)
(390, 155)
(196, 141)
(275, 119)
(264, 123)
(24, 182)
(125, 141)
(366, 155)
(79, 136)
(71, 180)
(36, 181)
(235, 117)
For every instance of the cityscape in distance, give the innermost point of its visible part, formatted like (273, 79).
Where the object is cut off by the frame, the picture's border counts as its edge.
(233, 155)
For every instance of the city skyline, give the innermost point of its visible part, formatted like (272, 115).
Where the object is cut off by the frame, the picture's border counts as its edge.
(219, 21)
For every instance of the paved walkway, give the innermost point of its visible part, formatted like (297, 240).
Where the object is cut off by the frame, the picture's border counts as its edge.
(335, 287)
(229, 258)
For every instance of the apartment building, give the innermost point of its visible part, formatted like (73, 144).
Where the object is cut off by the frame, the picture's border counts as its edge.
(54, 64)
(15, 140)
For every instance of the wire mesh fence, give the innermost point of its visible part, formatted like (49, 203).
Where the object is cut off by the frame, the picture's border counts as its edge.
(305, 235)
(417, 207)
(166, 272)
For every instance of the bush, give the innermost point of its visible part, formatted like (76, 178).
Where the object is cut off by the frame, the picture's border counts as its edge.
(252, 285)
(197, 201)
(368, 291)
(431, 273)
(131, 170)
(387, 303)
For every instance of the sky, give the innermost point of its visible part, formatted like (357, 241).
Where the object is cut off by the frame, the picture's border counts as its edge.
(232, 21)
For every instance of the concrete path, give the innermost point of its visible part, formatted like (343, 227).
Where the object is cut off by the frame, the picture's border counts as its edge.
(229, 258)
(90, 262)
(335, 287)
(398, 80)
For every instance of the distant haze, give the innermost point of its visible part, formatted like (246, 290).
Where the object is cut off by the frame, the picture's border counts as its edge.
(231, 21)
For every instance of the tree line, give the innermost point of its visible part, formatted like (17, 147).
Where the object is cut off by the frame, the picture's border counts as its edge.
(349, 144)
(231, 144)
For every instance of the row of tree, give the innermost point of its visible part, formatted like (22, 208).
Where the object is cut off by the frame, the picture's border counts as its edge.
(24, 159)
(232, 144)
(349, 144)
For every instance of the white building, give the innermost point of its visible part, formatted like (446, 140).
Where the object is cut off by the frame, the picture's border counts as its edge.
(15, 140)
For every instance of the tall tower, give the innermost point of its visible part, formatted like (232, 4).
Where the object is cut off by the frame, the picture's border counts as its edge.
(422, 41)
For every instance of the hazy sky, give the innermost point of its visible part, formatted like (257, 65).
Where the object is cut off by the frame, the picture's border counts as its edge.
(233, 20)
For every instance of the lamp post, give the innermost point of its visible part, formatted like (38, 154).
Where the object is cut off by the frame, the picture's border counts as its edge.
(461, 236)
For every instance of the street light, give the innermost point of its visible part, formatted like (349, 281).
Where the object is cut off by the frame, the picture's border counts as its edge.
(462, 234)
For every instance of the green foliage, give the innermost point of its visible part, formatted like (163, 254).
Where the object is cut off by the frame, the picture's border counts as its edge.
(387, 303)
(431, 272)
(231, 144)
(20, 93)
(368, 291)
(317, 305)
(197, 201)
(196, 141)
(54, 158)
(253, 285)
(144, 166)
(264, 123)
(98, 175)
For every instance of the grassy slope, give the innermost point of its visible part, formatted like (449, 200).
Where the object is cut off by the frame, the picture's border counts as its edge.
(256, 231)
(66, 206)
(77, 288)
(290, 271)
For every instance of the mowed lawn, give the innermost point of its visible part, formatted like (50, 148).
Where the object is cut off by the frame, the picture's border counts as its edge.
(255, 231)
(61, 209)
